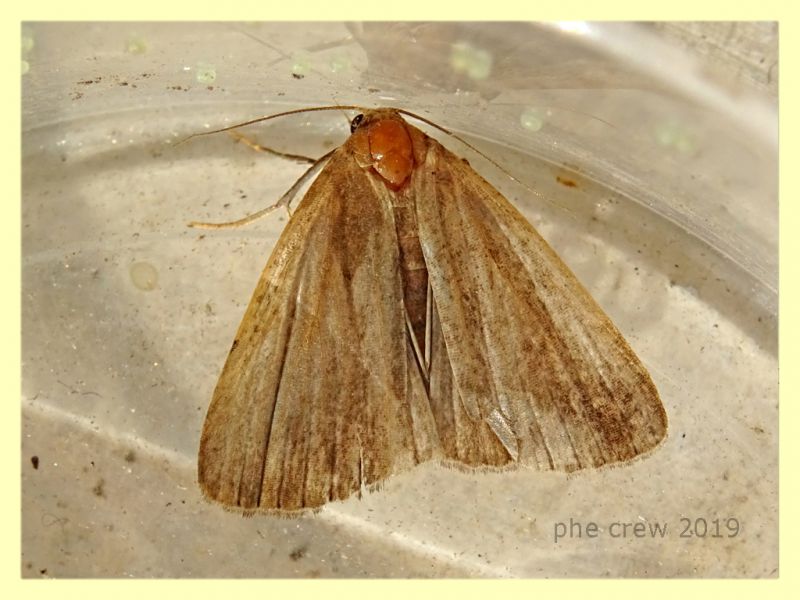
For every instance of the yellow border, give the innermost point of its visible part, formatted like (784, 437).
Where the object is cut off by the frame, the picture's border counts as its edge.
(419, 9)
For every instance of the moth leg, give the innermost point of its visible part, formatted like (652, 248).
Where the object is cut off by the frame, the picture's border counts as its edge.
(285, 200)
(250, 143)
(428, 326)
(418, 355)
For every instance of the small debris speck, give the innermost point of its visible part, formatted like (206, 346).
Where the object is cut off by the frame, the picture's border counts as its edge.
(99, 489)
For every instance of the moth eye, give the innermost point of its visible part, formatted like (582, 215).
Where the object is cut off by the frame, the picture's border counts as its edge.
(355, 123)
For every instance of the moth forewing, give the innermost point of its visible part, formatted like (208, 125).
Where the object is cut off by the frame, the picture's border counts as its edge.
(409, 313)
(547, 362)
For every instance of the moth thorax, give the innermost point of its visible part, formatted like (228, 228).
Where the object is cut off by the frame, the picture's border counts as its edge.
(391, 151)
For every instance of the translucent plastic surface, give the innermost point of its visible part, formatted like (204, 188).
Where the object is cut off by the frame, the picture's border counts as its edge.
(655, 183)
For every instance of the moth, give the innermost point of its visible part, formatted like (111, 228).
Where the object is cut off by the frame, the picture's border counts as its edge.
(410, 313)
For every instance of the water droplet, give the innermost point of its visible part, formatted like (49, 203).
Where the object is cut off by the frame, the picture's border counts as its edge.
(475, 62)
(302, 63)
(144, 276)
(205, 73)
(136, 45)
(532, 119)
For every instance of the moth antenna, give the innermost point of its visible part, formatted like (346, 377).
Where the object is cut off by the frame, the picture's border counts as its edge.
(342, 109)
(564, 108)
(285, 200)
(267, 118)
(468, 145)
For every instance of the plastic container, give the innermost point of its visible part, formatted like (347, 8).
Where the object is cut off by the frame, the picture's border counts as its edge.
(652, 171)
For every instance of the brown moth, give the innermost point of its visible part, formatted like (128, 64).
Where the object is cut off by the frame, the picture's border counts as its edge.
(410, 313)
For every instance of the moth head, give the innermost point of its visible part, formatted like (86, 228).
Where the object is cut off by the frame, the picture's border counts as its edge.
(370, 116)
(356, 122)
(383, 142)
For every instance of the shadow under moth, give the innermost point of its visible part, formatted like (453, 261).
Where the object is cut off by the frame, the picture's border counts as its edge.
(410, 313)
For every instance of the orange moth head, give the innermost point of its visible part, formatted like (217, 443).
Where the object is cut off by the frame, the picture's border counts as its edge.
(383, 141)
